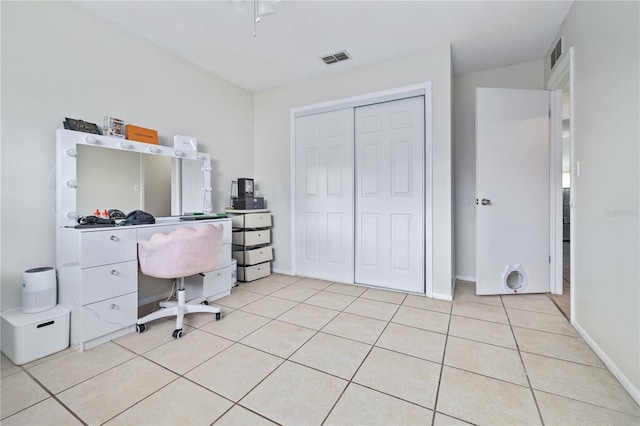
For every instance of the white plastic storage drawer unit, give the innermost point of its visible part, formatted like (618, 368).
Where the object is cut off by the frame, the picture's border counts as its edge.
(251, 220)
(253, 256)
(250, 273)
(251, 243)
(251, 238)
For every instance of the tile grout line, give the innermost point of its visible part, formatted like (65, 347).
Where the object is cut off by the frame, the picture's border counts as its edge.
(283, 359)
(535, 401)
(350, 381)
(52, 395)
(444, 354)
(288, 358)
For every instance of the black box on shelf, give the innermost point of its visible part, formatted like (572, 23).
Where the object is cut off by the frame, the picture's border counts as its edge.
(248, 203)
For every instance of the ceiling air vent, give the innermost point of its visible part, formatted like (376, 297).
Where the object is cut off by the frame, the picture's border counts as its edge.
(336, 57)
(556, 52)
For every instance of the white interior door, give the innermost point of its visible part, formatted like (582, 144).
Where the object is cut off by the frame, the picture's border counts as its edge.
(390, 235)
(324, 195)
(512, 190)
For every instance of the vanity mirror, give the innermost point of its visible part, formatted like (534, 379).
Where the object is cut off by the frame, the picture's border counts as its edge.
(101, 172)
(123, 180)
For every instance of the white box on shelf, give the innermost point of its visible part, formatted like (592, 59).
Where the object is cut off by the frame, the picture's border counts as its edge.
(185, 143)
(27, 337)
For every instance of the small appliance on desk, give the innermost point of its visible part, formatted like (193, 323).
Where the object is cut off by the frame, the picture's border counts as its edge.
(245, 200)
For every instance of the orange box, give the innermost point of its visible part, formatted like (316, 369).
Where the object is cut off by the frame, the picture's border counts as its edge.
(140, 134)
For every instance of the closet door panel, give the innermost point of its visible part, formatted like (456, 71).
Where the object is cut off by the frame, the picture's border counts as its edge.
(389, 144)
(324, 196)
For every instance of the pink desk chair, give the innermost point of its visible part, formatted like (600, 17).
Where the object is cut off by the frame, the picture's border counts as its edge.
(178, 254)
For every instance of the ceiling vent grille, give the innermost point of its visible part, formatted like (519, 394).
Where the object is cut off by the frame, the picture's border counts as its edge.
(556, 52)
(336, 57)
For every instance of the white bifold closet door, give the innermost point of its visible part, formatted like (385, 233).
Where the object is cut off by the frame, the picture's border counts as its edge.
(359, 195)
(389, 222)
(324, 196)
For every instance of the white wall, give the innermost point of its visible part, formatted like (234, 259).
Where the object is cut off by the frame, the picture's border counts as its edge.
(606, 222)
(272, 144)
(522, 76)
(59, 61)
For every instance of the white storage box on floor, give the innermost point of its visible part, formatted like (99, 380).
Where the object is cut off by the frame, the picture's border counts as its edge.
(27, 337)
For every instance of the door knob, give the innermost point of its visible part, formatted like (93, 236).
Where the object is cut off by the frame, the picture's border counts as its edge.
(486, 202)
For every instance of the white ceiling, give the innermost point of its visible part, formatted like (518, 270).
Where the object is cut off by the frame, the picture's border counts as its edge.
(289, 44)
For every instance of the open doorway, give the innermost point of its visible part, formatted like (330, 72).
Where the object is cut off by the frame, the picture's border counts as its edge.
(563, 301)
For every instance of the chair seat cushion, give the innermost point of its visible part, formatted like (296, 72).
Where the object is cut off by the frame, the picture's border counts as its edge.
(182, 252)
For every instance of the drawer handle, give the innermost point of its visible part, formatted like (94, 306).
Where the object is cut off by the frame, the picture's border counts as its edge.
(114, 306)
(114, 272)
(113, 238)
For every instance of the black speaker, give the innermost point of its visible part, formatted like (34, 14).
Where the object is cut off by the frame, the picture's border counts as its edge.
(245, 187)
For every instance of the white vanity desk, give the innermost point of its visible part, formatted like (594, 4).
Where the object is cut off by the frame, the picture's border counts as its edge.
(97, 268)
(98, 277)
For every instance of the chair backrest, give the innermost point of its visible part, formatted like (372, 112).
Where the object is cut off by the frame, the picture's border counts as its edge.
(182, 252)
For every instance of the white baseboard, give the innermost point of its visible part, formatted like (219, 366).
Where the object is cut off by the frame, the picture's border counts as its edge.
(443, 297)
(465, 278)
(282, 271)
(624, 381)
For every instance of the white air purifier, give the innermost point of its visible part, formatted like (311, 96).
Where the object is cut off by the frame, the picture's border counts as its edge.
(39, 290)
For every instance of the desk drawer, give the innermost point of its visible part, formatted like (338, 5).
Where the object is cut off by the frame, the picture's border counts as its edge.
(252, 257)
(251, 238)
(98, 319)
(104, 282)
(213, 285)
(252, 220)
(107, 246)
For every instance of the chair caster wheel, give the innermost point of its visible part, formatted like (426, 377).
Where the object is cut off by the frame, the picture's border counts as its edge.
(177, 333)
(217, 316)
(140, 328)
(206, 302)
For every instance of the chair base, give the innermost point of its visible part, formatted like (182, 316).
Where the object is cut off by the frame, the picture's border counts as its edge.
(178, 309)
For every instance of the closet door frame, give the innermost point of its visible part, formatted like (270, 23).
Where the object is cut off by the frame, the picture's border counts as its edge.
(421, 89)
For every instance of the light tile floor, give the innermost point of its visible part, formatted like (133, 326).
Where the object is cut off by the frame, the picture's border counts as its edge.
(310, 352)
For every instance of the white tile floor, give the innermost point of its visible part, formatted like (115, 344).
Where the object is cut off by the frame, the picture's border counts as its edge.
(310, 352)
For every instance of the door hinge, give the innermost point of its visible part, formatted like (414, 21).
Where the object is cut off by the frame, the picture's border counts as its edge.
(549, 258)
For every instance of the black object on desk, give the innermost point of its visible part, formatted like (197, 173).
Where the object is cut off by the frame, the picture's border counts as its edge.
(95, 220)
(247, 203)
(95, 225)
